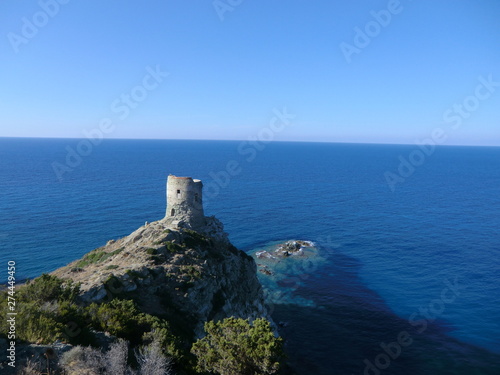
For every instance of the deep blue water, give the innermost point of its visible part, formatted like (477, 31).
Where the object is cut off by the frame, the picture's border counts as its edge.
(386, 255)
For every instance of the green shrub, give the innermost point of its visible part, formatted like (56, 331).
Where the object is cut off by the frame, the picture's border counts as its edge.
(173, 247)
(47, 312)
(117, 317)
(157, 259)
(123, 319)
(114, 286)
(47, 288)
(234, 346)
(151, 251)
(194, 239)
(160, 331)
(97, 256)
(75, 320)
(37, 326)
(191, 271)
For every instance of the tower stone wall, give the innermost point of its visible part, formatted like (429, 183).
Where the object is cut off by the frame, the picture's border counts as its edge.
(185, 202)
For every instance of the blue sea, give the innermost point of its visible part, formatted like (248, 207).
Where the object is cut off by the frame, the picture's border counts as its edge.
(407, 282)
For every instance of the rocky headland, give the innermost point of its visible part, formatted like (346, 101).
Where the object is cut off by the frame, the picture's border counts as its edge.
(186, 275)
(162, 282)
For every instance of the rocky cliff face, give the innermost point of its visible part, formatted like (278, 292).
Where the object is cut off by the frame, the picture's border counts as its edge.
(187, 276)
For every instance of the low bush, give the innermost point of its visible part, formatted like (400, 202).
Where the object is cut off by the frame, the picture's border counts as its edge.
(97, 256)
(48, 288)
(173, 247)
(46, 307)
(151, 251)
(194, 239)
(234, 346)
(123, 319)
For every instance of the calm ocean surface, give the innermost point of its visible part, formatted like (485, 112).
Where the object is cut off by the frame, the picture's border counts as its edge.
(388, 258)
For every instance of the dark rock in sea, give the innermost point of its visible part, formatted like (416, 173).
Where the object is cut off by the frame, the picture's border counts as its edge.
(292, 248)
(265, 270)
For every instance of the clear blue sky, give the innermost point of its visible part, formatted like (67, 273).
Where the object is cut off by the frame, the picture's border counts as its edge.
(226, 76)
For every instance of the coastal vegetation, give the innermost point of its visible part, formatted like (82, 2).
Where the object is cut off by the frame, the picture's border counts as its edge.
(81, 360)
(50, 311)
(96, 256)
(236, 346)
(163, 300)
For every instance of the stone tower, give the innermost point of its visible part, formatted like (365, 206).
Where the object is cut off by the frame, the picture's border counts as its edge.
(184, 202)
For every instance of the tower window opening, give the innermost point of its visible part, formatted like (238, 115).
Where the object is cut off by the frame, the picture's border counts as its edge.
(178, 193)
(196, 197)
(172, 212)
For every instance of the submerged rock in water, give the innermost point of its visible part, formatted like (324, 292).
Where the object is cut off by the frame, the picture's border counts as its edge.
(274, 255)
(264, 269)
(285, 266)
(292, 247)
(264, 254)
(285, 249)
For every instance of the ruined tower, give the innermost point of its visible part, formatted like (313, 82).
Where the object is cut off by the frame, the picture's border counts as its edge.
(184, 202)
